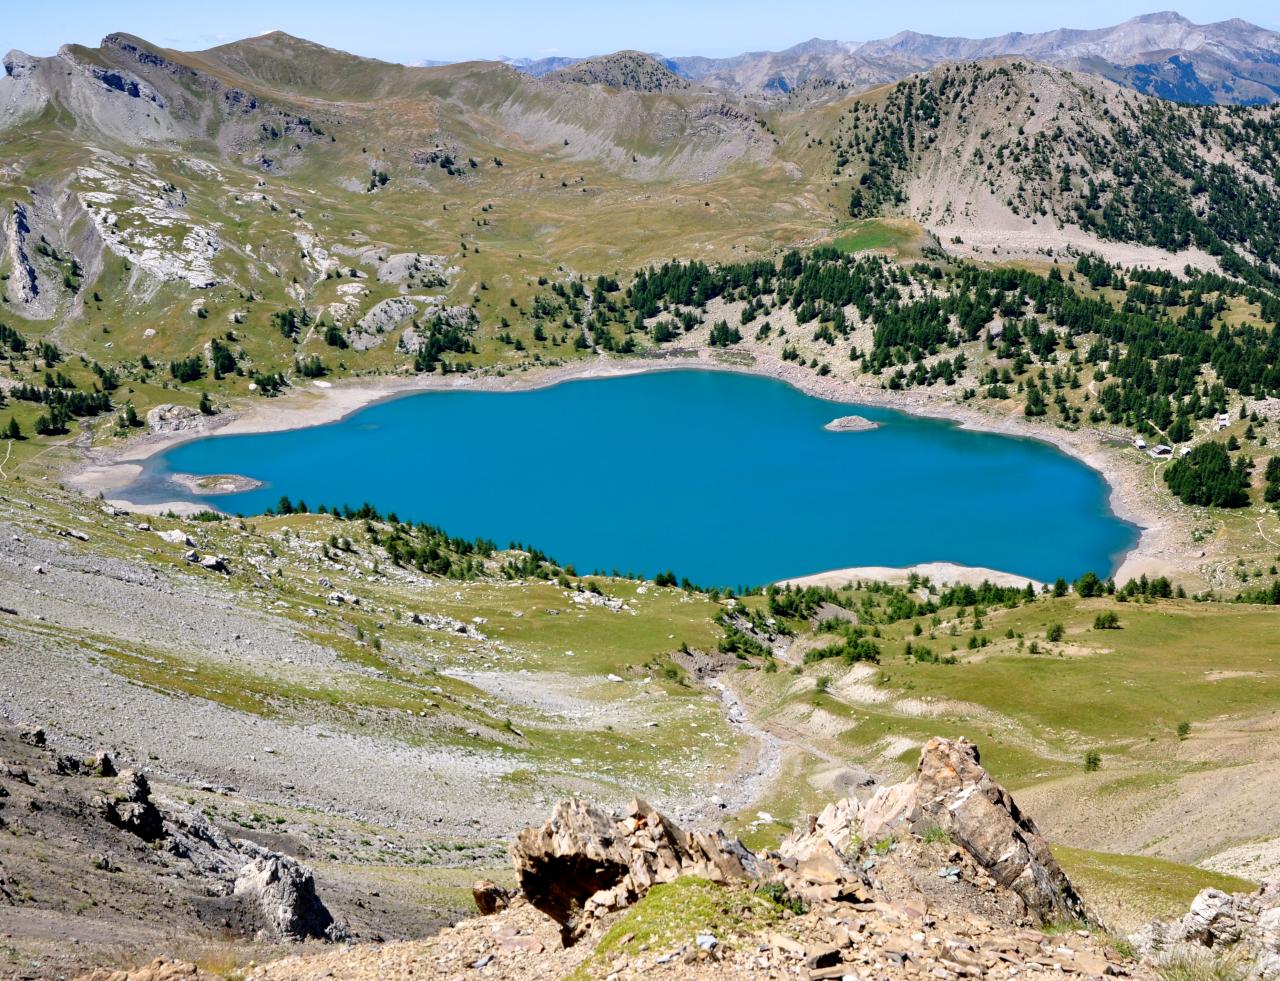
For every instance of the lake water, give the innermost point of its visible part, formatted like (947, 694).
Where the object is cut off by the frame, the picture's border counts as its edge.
(724, 478)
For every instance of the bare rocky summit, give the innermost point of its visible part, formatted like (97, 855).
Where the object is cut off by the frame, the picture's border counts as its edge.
(632, 70)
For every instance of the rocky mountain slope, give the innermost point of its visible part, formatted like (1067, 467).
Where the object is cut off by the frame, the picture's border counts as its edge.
(1164, 54)
(1019, 146)
(82, 838)
(189, 235)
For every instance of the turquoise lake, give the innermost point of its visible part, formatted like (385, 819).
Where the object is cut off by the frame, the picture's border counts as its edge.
(727, 479)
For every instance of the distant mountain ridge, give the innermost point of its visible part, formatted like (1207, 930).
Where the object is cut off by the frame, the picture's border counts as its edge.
(1230, 62)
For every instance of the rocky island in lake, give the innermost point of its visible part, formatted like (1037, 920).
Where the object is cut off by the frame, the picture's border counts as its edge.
(850, 424)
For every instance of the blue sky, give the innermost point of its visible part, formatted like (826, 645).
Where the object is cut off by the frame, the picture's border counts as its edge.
(409, 30)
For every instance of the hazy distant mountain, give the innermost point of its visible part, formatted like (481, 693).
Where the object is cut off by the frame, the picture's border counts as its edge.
(1164, 54)
(537, 67)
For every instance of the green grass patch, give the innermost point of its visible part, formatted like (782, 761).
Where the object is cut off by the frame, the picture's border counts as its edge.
(1128, 890)
(874, 234)
(675, 913)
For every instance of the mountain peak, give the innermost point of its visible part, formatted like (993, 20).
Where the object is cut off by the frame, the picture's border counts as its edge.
(1159, 17)
(632, 70)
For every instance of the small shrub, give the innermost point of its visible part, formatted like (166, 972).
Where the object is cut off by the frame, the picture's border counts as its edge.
(777, 892)
(1184, 730)
(1092, 761)
(1107, 621)
(936, 835)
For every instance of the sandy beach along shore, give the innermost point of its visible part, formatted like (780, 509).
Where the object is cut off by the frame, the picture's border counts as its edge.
(938, 573)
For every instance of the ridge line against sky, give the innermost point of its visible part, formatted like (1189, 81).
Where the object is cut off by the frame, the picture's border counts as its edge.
(408, 31)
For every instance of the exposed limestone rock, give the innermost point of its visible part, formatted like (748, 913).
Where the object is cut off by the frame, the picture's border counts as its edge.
(170, 418)
(28, 287)
(428, 271)
(19, 64)
(285, 894)
(176, 536)
(952, 791)
(143, 219)
(370, 330)
(561, 866)
(214, 563)
(850, 424)
(1245, 926)
(129, 807)
(583, 863)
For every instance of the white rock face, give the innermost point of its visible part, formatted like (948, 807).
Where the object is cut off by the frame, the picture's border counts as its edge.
(170, 418)
(143, 219)
(371, 329)
(429, 270)
(26, 287)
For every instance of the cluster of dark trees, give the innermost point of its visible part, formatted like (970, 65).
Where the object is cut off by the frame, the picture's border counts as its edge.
(69, 401)
(438, 338)
(187, 369)
(736, 641)
(1147, 354)
(64, 404)
(290, 322)
(853, 647)
(224, 361)
(1271, 490)
(1208, 477)
(11, 339)
(420, 545)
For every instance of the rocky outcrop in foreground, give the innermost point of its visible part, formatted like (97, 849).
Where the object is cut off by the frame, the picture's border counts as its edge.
(583, 864)
(940, 876)
(1241, 928)
(954, 794)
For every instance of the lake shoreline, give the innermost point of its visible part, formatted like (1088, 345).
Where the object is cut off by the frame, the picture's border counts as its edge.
(1132, 495)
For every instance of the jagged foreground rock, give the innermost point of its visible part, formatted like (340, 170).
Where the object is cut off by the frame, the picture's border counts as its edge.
(941, 876)
(582, 864)
(1241, 929)
(954, 793)
(274, 894)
